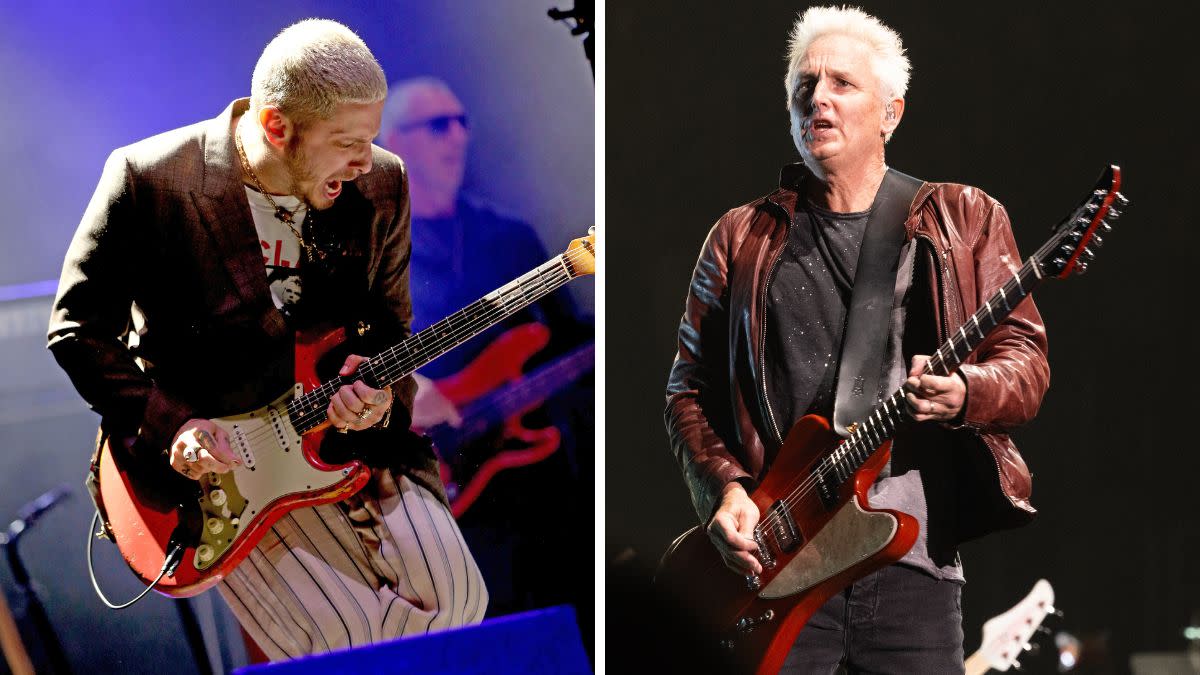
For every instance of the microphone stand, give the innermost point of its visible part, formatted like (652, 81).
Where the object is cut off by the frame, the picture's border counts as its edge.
(33, 604)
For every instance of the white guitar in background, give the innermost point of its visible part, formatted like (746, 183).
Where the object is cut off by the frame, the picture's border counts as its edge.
(1006, 637)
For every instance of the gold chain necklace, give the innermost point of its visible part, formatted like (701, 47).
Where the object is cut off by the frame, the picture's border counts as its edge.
(283, 215)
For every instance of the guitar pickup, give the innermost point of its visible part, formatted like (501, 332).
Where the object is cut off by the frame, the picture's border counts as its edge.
(241, 445)
(783, 527)
(826, 488)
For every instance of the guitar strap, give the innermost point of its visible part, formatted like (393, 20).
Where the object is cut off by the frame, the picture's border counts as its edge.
(869, 319)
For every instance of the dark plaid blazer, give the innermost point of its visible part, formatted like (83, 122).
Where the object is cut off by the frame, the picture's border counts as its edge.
(164, 313)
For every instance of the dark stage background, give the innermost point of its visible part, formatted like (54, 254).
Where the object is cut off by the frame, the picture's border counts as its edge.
(1028, 101)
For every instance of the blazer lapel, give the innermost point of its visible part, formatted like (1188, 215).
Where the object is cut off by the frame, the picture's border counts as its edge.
(225, 213)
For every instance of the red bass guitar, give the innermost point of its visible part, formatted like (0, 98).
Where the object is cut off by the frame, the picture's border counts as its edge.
(818, 533)
(492, 391)
(184, 545)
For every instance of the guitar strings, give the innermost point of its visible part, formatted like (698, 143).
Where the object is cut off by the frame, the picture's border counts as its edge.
(496, 310)
(382, 363)
(802, 486)
(492, 315)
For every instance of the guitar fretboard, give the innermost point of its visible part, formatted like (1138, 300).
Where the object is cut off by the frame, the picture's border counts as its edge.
(881, 424)
(308, 410)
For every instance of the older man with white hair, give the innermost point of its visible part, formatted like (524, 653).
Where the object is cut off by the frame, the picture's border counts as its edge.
(771, 332)
(180, 229)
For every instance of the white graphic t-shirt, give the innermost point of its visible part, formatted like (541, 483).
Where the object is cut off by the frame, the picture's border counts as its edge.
(280, 248)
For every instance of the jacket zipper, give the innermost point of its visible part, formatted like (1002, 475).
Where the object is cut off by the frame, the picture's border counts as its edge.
(762, 335)
(946, 336)
(941, 273)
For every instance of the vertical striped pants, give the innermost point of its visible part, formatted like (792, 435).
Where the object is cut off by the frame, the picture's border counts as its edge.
(387, 562)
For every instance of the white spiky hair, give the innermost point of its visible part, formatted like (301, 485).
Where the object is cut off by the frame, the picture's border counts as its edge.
(890, 64)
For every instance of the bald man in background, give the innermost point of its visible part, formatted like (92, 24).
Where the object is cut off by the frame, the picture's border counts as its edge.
(463, 249)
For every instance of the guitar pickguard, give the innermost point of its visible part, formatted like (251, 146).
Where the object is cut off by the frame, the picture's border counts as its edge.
(851, 536)
(273, 467)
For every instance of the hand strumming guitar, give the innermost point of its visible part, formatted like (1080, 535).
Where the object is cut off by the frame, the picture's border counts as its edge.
(201, 447)
(731, 530)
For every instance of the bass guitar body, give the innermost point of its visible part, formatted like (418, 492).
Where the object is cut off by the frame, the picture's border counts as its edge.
(465, 472)
(219, 519)
(812, 543)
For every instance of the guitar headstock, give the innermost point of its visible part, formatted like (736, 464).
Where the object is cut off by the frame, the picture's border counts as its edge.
(1006, 636)
(581, 254)
(1081, 234)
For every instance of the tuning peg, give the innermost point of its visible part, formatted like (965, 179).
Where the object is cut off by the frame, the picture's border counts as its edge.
(1082, 267)
(1113, 214)
(1120, 199)
(1066, 249)
(1105, 226)
(1059, 262)
(1016, 665)
(1097, 240)
(1091, 207)
(1089, 253)
(1044, 631)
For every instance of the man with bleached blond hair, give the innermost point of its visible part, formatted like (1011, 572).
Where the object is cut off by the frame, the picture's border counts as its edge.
(768, 336)
(226, 238)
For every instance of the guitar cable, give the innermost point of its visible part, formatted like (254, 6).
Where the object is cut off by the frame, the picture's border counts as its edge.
(174, 557)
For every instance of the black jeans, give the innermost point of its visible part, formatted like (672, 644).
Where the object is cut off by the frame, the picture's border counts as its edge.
(898, 620)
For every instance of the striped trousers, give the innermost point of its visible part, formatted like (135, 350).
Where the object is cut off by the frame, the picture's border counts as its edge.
(387, 562)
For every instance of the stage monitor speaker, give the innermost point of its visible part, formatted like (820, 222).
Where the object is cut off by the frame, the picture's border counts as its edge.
(541, 641)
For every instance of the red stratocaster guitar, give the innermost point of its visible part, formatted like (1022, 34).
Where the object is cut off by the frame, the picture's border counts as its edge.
(817, 532)
(492, 390)
(186, 546)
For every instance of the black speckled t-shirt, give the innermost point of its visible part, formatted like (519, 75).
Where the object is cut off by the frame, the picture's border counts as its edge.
(808, 297)
(807, 300)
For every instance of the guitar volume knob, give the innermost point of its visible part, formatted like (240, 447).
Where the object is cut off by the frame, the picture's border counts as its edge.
(215, 525)
(217, 497)
(205, 552)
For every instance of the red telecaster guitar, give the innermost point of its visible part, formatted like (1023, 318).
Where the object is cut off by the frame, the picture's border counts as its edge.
(818, 533)
(184, 547)
(491, 391)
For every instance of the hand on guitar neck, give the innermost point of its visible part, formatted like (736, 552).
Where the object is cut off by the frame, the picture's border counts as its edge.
(431, 407)
(932, 398)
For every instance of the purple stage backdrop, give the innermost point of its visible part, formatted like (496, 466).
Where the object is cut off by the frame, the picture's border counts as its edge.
(84, 78)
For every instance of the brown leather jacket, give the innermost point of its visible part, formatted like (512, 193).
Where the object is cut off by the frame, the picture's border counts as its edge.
(715, 411)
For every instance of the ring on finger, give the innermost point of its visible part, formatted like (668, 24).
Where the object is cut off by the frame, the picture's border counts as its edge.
(365, 412)
(189, 455)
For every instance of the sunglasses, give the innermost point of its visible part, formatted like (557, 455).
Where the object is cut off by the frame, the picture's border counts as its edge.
(437, 125)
